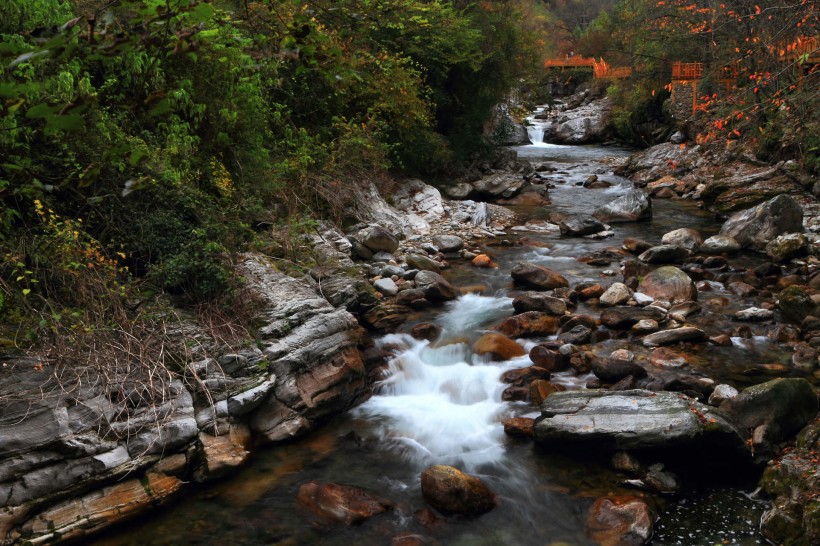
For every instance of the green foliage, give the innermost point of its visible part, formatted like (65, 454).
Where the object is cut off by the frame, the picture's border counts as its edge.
(172, 126)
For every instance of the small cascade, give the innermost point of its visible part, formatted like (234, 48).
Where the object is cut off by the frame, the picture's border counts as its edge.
(440, 403)
(535, 134)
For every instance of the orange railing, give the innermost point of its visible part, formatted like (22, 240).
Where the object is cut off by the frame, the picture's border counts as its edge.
(569, 62)
(687, 71)
(600, 69)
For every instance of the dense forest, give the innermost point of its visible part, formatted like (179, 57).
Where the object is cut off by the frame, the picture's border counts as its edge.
(144, 142)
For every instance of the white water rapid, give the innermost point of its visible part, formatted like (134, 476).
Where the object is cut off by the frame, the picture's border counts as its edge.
(442, 404)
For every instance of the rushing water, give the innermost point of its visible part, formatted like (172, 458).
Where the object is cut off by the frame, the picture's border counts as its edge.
(441, 404)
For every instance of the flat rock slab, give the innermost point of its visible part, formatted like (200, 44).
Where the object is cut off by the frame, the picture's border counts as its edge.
(634, 419)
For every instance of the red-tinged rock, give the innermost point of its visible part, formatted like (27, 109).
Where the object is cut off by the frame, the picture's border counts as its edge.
(522, 376)
(515, 394)
(520, 427)
(620, 521)
(451, 491)
(531, 323)
(482, 260)
(546, 358)
(537, 276)
(339, 504)
(426, 331)
(499, 346)
(667, 358)
(540, 389)
(589, 292)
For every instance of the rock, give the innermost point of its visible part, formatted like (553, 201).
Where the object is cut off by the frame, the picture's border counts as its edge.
(616, 294)
(624, 316)
(523, 376)
(312, 345)
(795, 304)
(805, 358)
(531, 323)
(612, 369)
(754, 314)
(499, 185)
(482, 260)
(386, 287)
(498, 346)
(537, 276)
(774, 411)
(551, 360)
(376, 239)
(677, 138)
(642, 299)
(577, 335)
(687, 238)
(450, 491)
(670, 284)
(675, 335)
(656, 479)
(541, 388)
(634, 205)
(538, 301)
(81, 516)
(636, 419)
(223, 454)
(620, 521)
(520, 427)
(587, 291)
(448, 243)
(416, 197)
(422, 263)
(336, 504)
(757, 226)
(645, 326)
(426, 330)
(666, 358)
(742, 289)
(665, 254)
(785, 247)
(578, 226)
(459, 191)
(636, 246)
(435, 287)
(792, 484)
(388, 315)
(719, 244)
(722, 393)
(624, 461)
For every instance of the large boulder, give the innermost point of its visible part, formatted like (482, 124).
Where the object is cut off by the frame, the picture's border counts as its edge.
(670, 284)
(688, 238)
(538, 301)
(632, 206)
(719, 244)
(498, 346)
(451, 491)
(785, 247)
(435, 287)
(377, 239)
(665, 254)
(499, 185)
(537, 276)
(578, 226)
(636, 419)
(773, 411)
(757, 226)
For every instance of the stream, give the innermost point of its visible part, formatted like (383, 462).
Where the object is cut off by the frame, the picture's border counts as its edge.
(440, 404)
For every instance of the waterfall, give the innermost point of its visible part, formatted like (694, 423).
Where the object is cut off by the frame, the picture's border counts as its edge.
(535, 133)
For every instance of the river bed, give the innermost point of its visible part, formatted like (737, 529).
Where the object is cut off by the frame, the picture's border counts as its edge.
(440, 404)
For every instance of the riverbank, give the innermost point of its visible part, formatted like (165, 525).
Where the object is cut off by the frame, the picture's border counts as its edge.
(315, 362)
